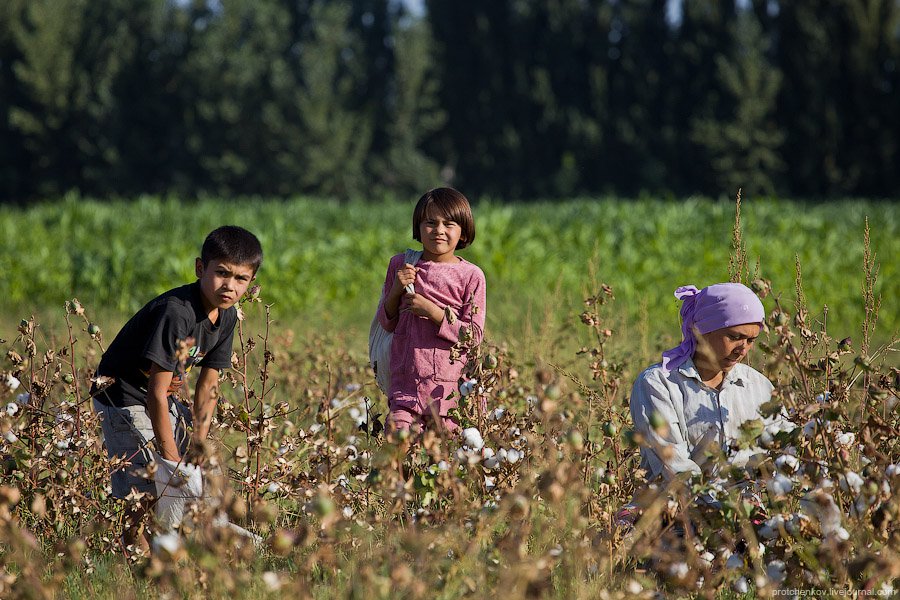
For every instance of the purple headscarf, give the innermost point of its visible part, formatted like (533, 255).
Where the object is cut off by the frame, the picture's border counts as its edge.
(713, 307)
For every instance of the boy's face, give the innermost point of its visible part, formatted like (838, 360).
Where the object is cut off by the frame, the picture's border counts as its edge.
(222, 283)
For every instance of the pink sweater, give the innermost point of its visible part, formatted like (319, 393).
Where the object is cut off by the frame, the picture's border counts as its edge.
(421, 372)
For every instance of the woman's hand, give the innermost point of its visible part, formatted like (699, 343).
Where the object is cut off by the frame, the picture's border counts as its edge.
(421, 306)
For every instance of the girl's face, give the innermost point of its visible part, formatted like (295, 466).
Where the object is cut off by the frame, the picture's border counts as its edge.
(439, 235)
(728, 346)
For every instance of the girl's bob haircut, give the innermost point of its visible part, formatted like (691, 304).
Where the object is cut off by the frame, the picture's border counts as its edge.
(450, 204)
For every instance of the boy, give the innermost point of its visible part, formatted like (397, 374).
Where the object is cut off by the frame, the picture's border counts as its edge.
(188, 326)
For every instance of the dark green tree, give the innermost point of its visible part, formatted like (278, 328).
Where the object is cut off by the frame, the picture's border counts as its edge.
(839, 99)
(70, 53)
(414, 114)
(237, 84)
(639, 71)
(336, 138)
(742, 147)
(15, 160)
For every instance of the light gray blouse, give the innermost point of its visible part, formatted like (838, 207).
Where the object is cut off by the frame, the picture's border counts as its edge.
(698, 417)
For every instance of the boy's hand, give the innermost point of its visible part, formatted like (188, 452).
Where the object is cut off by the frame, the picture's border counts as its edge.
(421, 306)
(158, 411)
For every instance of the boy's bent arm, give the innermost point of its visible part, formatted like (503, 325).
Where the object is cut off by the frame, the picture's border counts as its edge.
(158, 411)
(205, 396)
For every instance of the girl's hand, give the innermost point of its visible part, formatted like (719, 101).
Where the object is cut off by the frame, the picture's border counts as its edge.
(421, 306)
(406, 275)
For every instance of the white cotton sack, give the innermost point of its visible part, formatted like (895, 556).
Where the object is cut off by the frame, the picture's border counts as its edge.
(177, 485)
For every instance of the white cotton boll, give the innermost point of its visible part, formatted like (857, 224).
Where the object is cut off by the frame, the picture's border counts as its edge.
(776, 571)
(787, 463)
(767, 533)
(633, 587)
(741, 586)
(498, 413)
(316, 428)
(845, 439)
(501, 454)
(167, 542)
(354, 413)
(273, 488)
(487, 452)
(513, 456)
(472, 438)
(707, 557)
(10, 437)
(461, 455)
(823, 398)
(443, 466)
(735, 561)
(809, 429)
(490, 482)
(862, 503)
(347, 512)
(12, 383)
(12, 408)
(850, 481)
(679, 570)
(467, 387)
(272, 581)
(842, 534)
(740, 458)
(492, 462)
(780, 485)
(892, 470)
(771, 529)
(794, 523)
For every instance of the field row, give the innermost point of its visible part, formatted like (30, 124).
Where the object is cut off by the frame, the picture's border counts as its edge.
(327, 259)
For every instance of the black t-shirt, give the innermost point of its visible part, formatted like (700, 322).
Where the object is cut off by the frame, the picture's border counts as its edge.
(154, 334)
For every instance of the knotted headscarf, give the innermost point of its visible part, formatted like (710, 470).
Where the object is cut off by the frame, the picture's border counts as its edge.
(713, 307)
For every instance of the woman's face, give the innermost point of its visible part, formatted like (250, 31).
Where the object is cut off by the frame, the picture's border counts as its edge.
(723, 348)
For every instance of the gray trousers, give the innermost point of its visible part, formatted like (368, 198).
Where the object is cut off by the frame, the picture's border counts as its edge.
(128, 433)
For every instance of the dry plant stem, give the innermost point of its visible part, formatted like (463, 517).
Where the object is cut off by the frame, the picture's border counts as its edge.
(825, 339)
(264, 375)
(326, 408)
(245, 384)
(871, 304)
(737, 265)
(74, 371)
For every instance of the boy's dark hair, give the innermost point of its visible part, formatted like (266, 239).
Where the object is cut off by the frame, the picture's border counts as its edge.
(452, 205)
(232, 244)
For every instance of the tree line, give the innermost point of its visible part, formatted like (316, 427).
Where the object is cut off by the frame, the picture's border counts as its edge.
(510, 98)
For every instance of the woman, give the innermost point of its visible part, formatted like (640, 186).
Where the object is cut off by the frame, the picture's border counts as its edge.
(697, 398)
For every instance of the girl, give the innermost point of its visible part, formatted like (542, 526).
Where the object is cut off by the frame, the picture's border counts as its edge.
(448, 300)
